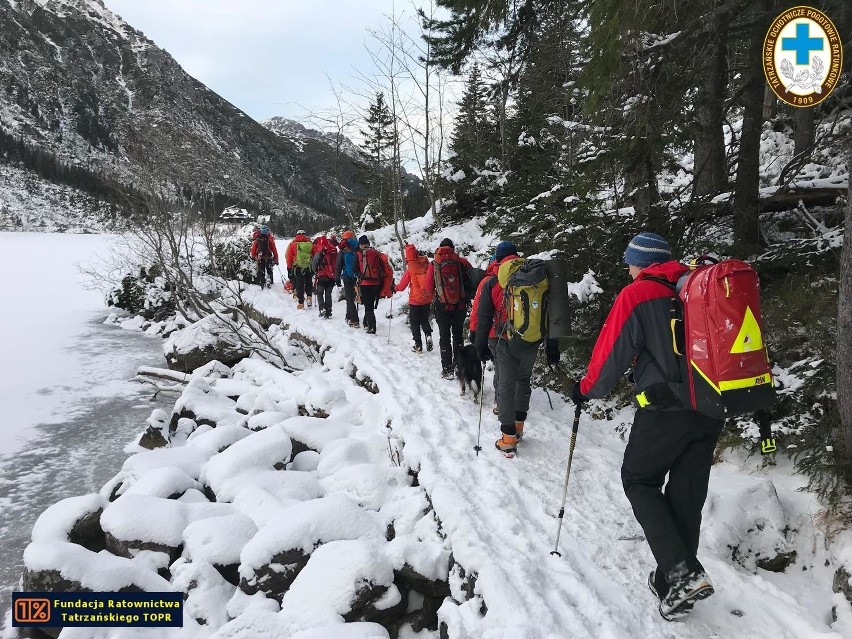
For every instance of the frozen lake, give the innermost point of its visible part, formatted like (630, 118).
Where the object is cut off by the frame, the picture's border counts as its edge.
(67, 405)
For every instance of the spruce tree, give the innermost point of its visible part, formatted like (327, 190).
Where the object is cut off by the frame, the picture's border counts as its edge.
(379, 143)
(473, 135)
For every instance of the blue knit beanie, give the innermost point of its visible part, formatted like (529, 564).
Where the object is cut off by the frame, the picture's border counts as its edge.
(646, 249)
(505, 249)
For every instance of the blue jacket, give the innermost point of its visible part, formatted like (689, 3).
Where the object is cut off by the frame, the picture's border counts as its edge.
(347, 261)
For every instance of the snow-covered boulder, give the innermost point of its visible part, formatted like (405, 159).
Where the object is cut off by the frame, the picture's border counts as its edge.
(157, 433)
(313, 433)
(75, 520)
(200, 343)
(186, 459)
(347, 580)
(201, 403)
(745, 520)
(268, 449)
(219, 543)
(341, 453)
(207, 591)
(144, 523)
(65, 567)
(306, 461)
(168, 482)
(275, 555)
(368, 485)
(216, 440)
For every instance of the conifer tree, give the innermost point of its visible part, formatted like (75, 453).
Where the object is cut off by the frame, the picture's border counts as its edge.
(474, 134)
(379, 143)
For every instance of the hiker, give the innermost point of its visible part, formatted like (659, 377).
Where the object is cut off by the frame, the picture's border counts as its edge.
(264, 252)
(346, 272)
(666, 438)
(370, 277)
(419, 301)
(298, 258)
(504, 248)
(448, 278)
(514, 356)
(323, 264)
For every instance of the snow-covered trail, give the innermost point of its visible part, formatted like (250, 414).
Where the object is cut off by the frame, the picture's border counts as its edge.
(500, 515)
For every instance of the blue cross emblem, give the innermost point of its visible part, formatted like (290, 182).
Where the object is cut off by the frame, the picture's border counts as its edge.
(802, 44)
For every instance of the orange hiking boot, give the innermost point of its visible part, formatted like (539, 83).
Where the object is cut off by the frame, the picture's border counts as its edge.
(519, 430)
(300, 306)
(507, 444)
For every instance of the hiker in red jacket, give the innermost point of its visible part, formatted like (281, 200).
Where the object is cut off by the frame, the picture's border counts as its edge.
(448, 278)
(370, 274)
(666, 438)
(264, 252)
(416, 273)
(322, 264)
(298, 256)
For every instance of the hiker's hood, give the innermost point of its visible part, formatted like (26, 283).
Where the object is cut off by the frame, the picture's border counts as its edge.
(671, 271)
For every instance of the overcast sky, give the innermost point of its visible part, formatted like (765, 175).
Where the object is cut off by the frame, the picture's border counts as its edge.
(268, 57)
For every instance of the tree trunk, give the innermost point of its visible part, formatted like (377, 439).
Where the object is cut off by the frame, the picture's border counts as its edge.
(711, 170)
(770, 104)
(640, 186)
(805, 131)
(746, 198)
(844, 332)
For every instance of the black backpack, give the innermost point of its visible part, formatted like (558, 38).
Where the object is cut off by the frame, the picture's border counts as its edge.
(263, 250)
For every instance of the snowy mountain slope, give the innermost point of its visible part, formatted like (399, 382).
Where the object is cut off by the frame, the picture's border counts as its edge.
(296, 131)
(86, 92)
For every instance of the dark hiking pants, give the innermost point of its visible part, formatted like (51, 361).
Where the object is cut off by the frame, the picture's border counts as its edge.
(450, 327)
(680, 444)
(369, 296)
(303, 283)
(514, 360)
(418, 318)
(264, 271)
(492, 346)
(349, 294)
(324, 286)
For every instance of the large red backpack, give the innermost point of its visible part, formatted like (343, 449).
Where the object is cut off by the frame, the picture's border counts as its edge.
(325, 259)
(449, 284)
(387, 277)
(726, 362)
(370, 264)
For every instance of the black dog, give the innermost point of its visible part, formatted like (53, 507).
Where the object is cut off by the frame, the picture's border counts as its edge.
(469, 370)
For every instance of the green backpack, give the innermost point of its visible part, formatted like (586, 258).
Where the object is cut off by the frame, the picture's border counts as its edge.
(525, 291)
(303, 255)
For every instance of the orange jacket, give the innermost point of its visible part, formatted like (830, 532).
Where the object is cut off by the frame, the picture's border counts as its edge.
(415, 276)
(290, 254)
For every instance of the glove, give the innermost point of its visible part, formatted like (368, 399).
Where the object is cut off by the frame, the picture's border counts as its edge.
(551, 351)
(290, 273)
(472, 337)
(577, 396)
(338, 283)
(484, 353)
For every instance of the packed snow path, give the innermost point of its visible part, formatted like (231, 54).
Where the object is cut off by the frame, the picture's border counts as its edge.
(500, 515)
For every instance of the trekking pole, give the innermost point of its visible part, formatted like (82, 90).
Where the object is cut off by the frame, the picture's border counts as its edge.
(281, 275)
(478, 448)
(574, 428)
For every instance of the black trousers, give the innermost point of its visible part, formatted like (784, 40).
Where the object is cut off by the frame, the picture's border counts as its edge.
(324, 286)
(349, 295)
(418, 318)
(303, 283)
(680, 444)
(264, 270)
(450, 324)
(369, 296)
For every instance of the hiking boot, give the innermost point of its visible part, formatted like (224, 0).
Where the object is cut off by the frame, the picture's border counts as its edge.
(300, 306)
(310, 302)
(448, 373)
(657, 585)
(429, 343)
(507, 444)
(685, 588)
(417, 348)
(371, 331)
(519, 430)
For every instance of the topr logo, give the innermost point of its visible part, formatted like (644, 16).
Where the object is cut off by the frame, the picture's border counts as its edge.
(802, 56)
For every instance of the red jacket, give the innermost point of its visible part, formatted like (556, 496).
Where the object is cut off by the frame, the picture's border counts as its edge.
(637, 331)
(323, 266)
(253, 251)
(445, 253)
(290, 253)
(491, 271)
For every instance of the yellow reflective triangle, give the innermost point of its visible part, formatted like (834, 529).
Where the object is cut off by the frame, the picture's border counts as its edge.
(749, 338)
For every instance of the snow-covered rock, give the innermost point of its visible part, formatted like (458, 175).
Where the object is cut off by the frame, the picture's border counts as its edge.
(75, 520)
(313, 433)
(201, 343)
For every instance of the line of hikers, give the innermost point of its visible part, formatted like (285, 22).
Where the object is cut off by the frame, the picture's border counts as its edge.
(670, 328)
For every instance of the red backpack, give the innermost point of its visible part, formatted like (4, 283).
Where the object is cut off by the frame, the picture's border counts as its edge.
(387, 277)
(370, 263)
(449, 278)
(726, 362)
